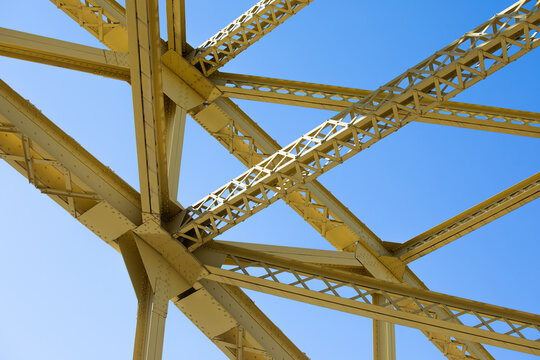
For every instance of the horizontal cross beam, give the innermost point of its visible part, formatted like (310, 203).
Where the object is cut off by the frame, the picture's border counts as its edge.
(44, 50)
(403, 305)
(479, 117)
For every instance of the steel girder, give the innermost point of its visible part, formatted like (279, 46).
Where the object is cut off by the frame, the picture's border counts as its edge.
(110, 208)
(149, 107)
(100, 33)
(349, 292)
(256, 22)
(115, 64)
(64, 54)
(338, 98)
(469, 220)
(478, 54)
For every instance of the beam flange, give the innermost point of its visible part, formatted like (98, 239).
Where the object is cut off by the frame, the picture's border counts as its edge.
(176, 124)
(176, 26)
(287, 92)
(176, 116)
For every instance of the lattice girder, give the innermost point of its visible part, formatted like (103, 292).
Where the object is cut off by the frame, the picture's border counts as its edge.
(346, 291)
(442, 76)
(412, 97)
(338, 98)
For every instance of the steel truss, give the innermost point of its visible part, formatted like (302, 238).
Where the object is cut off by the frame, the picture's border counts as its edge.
(169, 250)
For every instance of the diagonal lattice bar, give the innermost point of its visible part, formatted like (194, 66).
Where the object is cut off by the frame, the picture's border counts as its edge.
(478, 54)
(249, 27)
(469, 220)
(471, 116)
(344, 291)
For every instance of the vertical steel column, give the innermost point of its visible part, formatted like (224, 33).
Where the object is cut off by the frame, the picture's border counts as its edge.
(151, 314)
(384, 338)
(152, 307)
(148, 106)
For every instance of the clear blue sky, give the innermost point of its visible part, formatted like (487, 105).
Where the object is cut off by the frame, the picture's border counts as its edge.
(67, 295)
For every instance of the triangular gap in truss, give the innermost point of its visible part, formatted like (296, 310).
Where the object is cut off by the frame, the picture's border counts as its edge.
(277, 225)
(206, 164)
(81, 106)
(494, 262)
(439, 171)
(308, 326)
(284, 123)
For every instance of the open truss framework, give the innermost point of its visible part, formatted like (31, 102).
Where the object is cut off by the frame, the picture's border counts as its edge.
(171, 251)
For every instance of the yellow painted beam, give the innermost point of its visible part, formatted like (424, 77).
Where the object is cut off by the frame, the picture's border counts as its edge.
(406, 98)
(249, 27)
(148, 106)
(111, 32)
(491, 209)
(64, 170)
(327, 97)
(24, 46)
(394, 303)
(176, 26)
(384, 335)
(109, 207)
